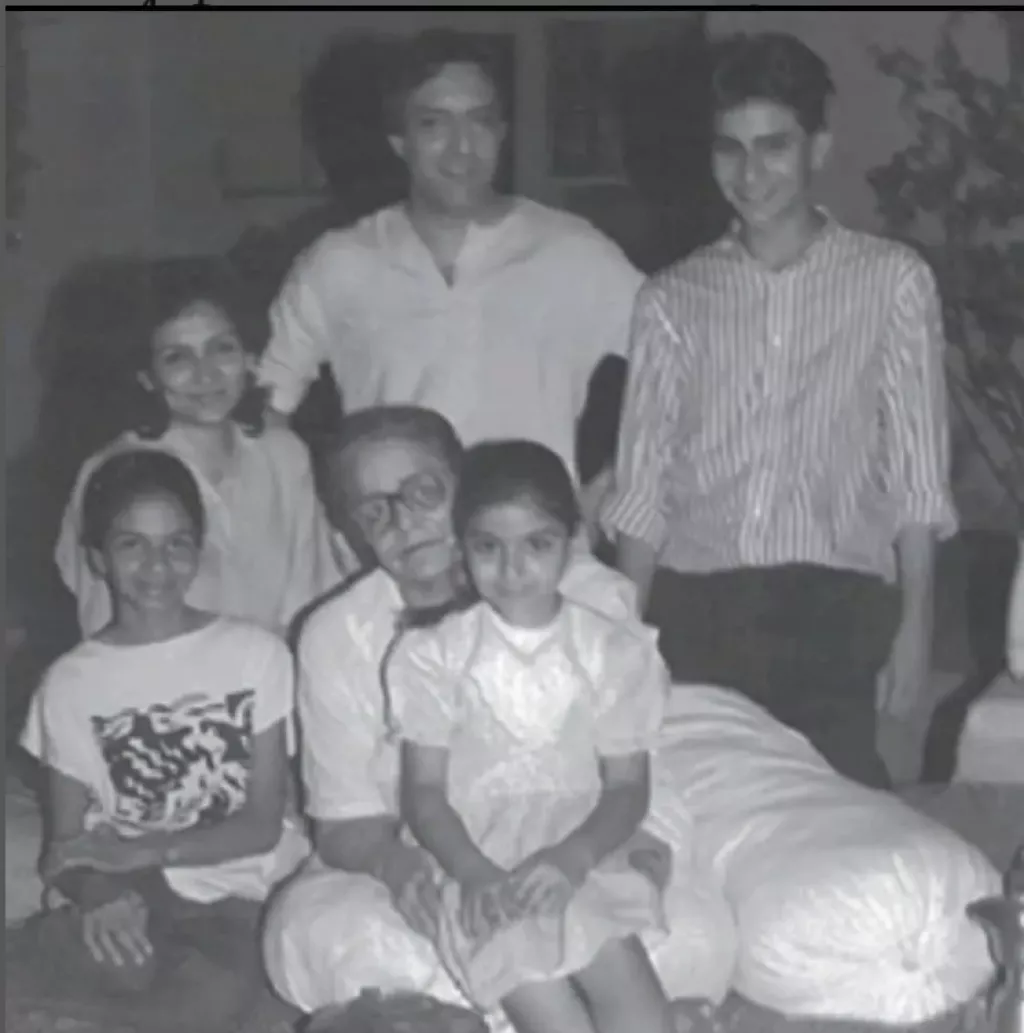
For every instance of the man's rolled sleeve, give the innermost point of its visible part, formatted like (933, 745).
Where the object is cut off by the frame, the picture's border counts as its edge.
(917, 406)
(300, 332)
(649, 417)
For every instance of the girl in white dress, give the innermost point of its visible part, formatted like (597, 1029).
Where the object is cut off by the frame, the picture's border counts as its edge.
(191, 390)
(525, 722)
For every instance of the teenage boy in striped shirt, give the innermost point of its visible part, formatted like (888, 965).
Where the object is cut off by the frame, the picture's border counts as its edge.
(782, 467)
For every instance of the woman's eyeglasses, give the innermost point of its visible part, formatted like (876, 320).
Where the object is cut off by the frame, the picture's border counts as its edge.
(419, 493)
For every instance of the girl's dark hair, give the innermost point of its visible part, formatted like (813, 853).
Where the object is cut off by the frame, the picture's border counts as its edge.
(127, 476)
(165, 289)
(424, 56)
(776, 67)
(505, 471)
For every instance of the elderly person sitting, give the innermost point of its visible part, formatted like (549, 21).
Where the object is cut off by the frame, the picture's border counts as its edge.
(349, 921)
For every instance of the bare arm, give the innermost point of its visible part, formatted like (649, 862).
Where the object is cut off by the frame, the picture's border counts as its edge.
(620, 810)
(638, 560)
(433, 820)
(68, 801)
(636, 515)
(368, 846)
(914, 397)
(915, 553)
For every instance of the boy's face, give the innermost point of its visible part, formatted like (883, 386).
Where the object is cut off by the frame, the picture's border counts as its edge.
(763, 161)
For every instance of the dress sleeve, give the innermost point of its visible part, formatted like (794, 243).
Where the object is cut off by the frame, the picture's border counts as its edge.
(422, 688)
(632, 692)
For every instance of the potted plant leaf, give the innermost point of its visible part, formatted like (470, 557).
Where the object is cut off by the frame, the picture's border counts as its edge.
(956, 194)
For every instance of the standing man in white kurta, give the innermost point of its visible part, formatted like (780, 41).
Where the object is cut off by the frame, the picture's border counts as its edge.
(494, 310)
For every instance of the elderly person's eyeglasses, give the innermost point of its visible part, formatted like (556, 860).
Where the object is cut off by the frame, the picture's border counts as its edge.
(418, 493)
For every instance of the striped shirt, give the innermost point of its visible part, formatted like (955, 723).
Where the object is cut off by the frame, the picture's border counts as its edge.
(785, 416)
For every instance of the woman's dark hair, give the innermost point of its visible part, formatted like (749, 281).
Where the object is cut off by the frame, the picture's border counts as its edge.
(776, 67)
(424, 56)
(495, 472)
(127, 476)
(165, 289)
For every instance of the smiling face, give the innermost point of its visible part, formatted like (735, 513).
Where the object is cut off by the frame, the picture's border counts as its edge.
(763, 161)
(150, 555)
(199, 365)
(452, 139)
(399, 493)
(516, 555)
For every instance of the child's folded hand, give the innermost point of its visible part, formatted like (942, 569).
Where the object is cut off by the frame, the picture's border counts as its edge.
(488, 906)
(542, 885)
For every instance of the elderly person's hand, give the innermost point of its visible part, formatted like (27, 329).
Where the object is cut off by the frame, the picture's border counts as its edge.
(411, 880)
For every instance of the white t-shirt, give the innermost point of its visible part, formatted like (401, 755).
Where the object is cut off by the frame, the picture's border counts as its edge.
(161, 735)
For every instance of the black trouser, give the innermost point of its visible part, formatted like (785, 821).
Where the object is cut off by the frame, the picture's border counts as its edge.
(204, 976)
(805, 642)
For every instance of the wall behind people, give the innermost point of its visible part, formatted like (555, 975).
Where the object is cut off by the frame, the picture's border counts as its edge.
(130, 122)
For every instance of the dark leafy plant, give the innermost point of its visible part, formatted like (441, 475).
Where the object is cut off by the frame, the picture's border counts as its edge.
(956, 194)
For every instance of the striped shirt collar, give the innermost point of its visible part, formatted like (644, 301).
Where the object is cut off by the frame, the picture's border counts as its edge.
(731, 242)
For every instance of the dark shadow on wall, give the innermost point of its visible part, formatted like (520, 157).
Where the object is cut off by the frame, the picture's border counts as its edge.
(77, 353)
(671, 204)
(340, 108)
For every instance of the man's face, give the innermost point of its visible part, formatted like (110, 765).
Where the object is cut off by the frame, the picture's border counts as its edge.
(763, 161)
(452, 139)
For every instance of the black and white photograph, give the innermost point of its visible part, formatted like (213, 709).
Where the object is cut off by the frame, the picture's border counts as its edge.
(515, 519)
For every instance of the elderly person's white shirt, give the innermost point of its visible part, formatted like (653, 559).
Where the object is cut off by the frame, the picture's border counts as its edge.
(331, 933)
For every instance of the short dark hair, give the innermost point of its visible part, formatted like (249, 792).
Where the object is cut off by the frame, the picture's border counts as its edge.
(772, 66)
(127, 476)
(495, 472)
(419, 59)
(164, 290)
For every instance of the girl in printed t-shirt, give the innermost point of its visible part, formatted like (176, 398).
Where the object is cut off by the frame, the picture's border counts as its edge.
(164, 740)
(526, 721)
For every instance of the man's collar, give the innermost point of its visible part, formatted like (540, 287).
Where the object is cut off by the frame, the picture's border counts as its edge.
(732, 241)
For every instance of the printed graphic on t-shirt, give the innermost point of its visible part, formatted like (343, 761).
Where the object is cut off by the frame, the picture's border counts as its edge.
(178, 765)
